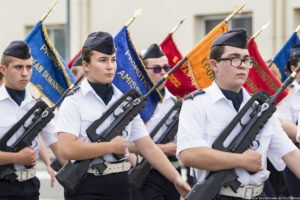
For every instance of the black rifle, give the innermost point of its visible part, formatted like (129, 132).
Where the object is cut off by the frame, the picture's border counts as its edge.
(139, 174)
(42, 116)
(73, 173)
(264, 107)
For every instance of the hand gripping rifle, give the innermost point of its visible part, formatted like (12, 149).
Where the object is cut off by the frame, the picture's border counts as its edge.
(138, 175)
(264, 107)
(73, 173)
(42, 116)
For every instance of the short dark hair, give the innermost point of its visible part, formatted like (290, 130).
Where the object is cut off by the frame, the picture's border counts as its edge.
(292, 61)
(6, 60)
(86, 54)
(216, 52)
(1, 76)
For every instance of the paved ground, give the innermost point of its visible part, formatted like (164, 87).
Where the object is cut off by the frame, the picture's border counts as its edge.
(46, 192)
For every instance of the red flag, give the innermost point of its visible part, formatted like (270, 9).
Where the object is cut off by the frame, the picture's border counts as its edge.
(178, 83)
(260, 77)
(73, 59)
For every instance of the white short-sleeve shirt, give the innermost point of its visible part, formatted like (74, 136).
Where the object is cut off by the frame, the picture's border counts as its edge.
(81, 109)
(206, 116)
(289, 107)
(161, 110)
(12, 113)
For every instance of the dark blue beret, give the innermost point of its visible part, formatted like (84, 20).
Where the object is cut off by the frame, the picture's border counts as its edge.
(236, 38)
(18, 49)
(154, 51)
(100, 41)
(77, 61)
(295, 50)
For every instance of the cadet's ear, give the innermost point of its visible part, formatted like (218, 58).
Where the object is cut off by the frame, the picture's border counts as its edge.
(2, 69)
(213, 65)
(85, 66)
(293, 68)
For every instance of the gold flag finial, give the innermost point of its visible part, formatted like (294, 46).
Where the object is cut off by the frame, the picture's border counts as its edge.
(136, 14)
(48, 12)
(297, 29)
(177, 26)
(261, 29)
(238, 10)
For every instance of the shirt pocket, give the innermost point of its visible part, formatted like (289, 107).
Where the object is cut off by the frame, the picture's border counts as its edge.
(212, 131)
(5, 126)
(88, 118)
(6, 123)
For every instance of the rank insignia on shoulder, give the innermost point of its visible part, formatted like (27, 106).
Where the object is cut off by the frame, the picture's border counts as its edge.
(192, 95)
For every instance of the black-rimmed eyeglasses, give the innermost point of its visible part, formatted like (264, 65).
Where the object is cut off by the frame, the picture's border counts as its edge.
(157, 69)
(237, 62)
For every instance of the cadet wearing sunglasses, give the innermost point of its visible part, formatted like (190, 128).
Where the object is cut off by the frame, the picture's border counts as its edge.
(157, 186)
(157, 68)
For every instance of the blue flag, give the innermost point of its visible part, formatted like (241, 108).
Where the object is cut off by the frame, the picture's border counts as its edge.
(131, 73)
(282, 57)
(50, 73)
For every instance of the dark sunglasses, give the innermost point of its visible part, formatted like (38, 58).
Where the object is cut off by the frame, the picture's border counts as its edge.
(157, 69)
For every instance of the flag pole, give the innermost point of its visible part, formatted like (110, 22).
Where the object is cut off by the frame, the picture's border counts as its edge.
(48, 12)
(261, 29)
(177, 26)
(297, 29)
(136, 14)
(237, 11)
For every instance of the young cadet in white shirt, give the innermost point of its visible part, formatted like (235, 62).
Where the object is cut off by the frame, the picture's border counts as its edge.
(15, 102)
(156, 185)
(78, 111)
(203, 118)
(289, 109)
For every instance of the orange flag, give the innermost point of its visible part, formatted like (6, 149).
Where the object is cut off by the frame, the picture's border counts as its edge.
(260, 77)
(198, 58)
(178, 83)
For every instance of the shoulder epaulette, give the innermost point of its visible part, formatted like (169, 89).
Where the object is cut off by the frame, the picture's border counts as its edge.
(73, 91)
(194, 94)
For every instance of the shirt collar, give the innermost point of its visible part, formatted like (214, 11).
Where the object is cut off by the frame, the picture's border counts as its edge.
(217, 94)
(86, 88)
(295, 86)
(168, 94)
(4, 95)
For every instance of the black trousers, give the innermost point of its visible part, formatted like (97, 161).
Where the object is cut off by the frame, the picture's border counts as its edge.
(292, 182)
(157, 187)
(109, 187)
(26, 190)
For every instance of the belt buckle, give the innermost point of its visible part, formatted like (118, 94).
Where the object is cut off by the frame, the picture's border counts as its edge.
(96, 172)
(249, 191)
(22, 176)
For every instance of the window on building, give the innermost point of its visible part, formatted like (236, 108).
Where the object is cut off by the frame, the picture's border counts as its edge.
(57, 37)
(207, 23)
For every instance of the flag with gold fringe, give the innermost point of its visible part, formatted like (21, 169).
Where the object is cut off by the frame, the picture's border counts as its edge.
(131, 73)
(260, 77)
(179, 83)
(50, 73)
(198, 58)
(282, 57)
